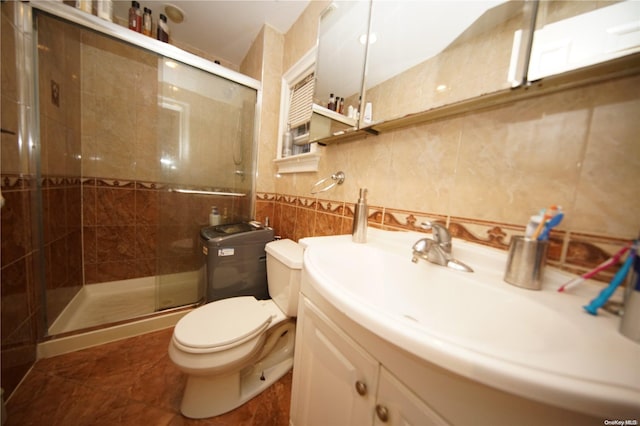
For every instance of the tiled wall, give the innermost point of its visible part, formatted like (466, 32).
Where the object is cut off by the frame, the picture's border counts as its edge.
(486, 172)
(136, 229)
(483, 173)
(60, 129)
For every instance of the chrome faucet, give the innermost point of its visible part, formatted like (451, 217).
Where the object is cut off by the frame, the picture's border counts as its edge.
(437, 249)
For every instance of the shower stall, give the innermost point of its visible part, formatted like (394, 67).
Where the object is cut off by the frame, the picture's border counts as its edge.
(131, 143)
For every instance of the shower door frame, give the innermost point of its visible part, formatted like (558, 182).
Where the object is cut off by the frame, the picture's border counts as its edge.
(164, 51)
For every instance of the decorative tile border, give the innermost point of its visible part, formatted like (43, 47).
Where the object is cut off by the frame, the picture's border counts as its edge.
(14, 182)
(573, 252)
(50, 182)
(409, 220)
(331, 207)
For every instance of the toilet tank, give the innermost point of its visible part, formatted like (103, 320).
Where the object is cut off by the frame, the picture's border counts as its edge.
(284, 267)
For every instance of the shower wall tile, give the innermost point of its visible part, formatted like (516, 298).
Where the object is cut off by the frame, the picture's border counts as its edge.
(126, 235)
(89, 245)
(119, 110)
(115, 271)
(146, 242)
(146, 148)
(115, 206)
(146, 207)
(21, 308)
(15, 298)
(15, 228)
(9, 74)
(88, 202)
(61, 214)
(115, 243)
(57, 265)
(13, 157)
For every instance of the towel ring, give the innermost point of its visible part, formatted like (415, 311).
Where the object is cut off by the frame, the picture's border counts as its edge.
(338, 179)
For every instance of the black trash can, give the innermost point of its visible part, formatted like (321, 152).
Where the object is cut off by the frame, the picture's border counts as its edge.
(236, 261)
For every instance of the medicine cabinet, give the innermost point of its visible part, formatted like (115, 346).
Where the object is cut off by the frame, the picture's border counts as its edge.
(340, 65)
(425, 60)
(430, 54)
(587, 33)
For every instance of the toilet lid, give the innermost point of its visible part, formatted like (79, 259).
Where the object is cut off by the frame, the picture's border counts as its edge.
(222, 324)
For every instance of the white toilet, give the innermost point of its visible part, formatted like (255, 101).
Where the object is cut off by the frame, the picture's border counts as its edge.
(232, 349)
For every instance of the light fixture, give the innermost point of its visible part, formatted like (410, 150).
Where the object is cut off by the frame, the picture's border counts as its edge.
(174, 13)
(372, 38)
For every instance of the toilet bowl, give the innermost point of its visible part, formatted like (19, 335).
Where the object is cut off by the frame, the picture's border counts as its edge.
(232, 349)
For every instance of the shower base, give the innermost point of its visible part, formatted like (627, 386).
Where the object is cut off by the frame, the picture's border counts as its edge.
(123, 309)
(105, 303)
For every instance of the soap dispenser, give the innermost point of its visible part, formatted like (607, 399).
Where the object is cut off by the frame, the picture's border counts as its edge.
(214, 216)
(360, 215)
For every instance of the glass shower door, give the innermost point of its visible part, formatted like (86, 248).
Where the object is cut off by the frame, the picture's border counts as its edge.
(205, 137)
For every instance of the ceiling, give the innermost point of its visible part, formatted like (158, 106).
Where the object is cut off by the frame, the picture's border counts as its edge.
(225, 29)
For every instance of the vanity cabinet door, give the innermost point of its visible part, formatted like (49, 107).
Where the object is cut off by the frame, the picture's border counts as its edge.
(397, 405)
(334, 380)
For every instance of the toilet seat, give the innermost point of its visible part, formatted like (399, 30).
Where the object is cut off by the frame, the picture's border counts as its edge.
(221, 325)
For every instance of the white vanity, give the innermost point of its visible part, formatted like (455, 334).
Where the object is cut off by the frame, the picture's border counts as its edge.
(382, 340)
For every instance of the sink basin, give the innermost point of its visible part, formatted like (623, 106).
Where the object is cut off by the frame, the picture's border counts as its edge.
(539, 344)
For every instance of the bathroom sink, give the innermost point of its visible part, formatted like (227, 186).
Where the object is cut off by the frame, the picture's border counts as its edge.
(539, 344)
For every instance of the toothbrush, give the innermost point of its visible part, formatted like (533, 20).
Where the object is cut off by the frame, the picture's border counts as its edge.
(552, 223)
(548, 214)
(601, 267)
(606, 293)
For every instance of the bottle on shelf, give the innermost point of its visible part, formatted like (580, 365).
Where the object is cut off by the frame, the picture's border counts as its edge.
(147, 22)
(332, 103)
(135, 17)
(163, 29)
(287, 143)
(368, 113)
(105, 10)
(84, 5)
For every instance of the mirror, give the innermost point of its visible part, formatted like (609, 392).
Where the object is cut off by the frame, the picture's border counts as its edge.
(571, 35)
(339, 67)
(415, 53)
(423, 55)
(430, 54)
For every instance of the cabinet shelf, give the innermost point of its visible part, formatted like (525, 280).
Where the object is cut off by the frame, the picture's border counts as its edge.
(326, 112)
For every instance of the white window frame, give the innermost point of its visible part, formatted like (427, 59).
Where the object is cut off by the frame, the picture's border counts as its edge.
(309, 161)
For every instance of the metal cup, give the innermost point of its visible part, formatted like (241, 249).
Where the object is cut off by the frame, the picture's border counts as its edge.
(526, 262)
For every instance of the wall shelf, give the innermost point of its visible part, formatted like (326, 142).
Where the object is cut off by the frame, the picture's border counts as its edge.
(307, 162)
(616, 68)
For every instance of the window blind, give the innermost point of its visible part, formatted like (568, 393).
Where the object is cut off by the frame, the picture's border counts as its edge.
(301, 101)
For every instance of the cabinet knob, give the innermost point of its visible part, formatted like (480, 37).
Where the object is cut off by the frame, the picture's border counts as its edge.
(361, 388)
(382, 412)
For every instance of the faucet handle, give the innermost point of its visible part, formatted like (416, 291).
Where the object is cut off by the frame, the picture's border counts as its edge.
(440, 233)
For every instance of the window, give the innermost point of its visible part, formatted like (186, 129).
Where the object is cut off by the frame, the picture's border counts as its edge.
(295, 115)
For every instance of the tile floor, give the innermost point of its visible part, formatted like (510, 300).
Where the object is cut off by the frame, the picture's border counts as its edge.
(129, 382)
